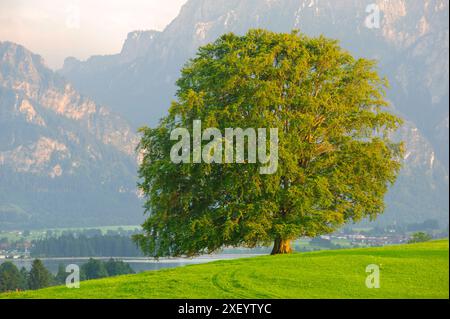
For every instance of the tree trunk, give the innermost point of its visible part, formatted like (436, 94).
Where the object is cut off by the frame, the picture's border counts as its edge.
(281, 246)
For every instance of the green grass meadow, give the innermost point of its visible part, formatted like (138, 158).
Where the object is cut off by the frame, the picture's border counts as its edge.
(406, 271)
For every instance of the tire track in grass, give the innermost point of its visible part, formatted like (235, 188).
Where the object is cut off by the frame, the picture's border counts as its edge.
(260, 293)
(235, 286)
(250, 292)
(215, 279)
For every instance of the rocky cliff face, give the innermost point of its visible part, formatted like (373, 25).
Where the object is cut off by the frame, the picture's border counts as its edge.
(64, 160)
(410, 42)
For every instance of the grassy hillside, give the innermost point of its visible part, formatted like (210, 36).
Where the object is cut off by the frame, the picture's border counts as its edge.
(407, 271)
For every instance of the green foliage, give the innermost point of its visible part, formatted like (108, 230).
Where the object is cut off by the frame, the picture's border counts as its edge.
(419, 237)
(336, 160)
(61, 275)
(10, 277)
(39, 277)
(69, 245)
(93, 269)
(23, 279)
(408, 271)
(118, 267)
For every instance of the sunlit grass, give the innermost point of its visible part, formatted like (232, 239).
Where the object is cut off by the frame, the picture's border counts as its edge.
(406, 271)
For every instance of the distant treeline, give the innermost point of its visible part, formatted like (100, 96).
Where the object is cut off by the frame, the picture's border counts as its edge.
(13, 279)
(75, 245)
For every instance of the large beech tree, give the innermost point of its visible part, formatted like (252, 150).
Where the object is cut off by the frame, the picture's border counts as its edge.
(336, 159)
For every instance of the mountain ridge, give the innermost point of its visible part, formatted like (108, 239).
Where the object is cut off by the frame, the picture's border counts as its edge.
(66, 160)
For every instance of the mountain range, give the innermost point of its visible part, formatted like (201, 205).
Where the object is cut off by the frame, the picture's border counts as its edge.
(64, 160)
(137, 85)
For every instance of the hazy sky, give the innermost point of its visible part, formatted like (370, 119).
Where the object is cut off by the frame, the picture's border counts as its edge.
(56, 29)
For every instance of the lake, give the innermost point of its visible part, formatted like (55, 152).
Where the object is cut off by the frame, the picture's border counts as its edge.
(138, 264)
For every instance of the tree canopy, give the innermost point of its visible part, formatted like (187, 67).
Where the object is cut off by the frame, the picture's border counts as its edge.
(39, 277)
(336, 159)
(10, 277)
